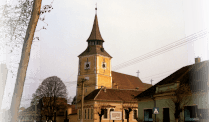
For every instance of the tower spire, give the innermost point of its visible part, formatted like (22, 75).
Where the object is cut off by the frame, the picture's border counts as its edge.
(95, 33)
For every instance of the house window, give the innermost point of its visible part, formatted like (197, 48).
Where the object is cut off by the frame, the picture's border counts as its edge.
(166, 115)
(135, 114)
(92, 113)
(85, 114)
(126, 115)
(88, 113)
(190, 112)
(105, 113)
(87, 78)
(110, 111)
(79, 113)
(148, 115)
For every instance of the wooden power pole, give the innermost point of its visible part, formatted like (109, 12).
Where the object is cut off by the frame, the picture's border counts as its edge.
(82, 98)
(25, 56)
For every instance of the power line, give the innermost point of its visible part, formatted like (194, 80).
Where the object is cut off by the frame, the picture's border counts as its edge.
(148, 54)
(158, 74)
(163, 49)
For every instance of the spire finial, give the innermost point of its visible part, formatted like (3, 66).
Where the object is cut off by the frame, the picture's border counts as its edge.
(96, 9)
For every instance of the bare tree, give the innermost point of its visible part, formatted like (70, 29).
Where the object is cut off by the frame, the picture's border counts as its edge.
(180, 98)
(74, 100)
(53, 95)
(29, 12)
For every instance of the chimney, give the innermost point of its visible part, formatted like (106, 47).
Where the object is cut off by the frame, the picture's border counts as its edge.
(197, 60)
(105, 89)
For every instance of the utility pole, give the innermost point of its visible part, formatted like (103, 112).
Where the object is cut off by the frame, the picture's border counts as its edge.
(82, 98)
(35, 109)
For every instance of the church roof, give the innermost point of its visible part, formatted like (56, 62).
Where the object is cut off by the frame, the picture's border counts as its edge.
(113, 95)
(196, 75)
(95, 33)
(95, 49)
(124, 81)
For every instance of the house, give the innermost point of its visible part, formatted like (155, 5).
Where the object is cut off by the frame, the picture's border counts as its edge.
(194, 106)
(72, 113)
(31, 113)
(40, 111)
(102, 101)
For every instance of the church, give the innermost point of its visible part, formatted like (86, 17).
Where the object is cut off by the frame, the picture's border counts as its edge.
(104, 89)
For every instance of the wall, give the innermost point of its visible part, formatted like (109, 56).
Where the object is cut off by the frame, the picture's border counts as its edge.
(117, 106)
(200, 99)
(97, 75)
(72, 118)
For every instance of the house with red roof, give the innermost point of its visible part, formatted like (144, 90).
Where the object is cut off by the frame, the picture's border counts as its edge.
(185, 91)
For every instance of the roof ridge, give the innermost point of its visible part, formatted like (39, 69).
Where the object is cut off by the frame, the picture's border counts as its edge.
(121, 89)
(97, 94)
(126, 74)
(190, 67)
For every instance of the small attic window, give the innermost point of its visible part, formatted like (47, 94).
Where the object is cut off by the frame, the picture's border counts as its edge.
(102, 49)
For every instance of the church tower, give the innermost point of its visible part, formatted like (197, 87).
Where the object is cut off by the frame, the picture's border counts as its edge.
(94, 64)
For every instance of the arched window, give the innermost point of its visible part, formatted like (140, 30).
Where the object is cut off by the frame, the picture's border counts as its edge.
(92, 113)
(88, 113)
(85, 114)
(110, 112)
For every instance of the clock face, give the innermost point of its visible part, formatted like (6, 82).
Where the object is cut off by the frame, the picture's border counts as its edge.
(104, 65)
(87, 65)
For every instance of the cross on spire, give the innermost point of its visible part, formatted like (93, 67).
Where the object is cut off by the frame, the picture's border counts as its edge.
(138, 73)
(96, 9)
(151, 81)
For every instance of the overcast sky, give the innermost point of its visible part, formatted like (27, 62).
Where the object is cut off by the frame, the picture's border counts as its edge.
(130, 29)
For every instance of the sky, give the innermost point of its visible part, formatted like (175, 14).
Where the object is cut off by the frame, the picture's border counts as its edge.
(130, 29)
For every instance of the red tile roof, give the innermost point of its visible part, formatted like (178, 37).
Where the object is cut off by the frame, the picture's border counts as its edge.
(113, 95)
(124, 81)
(196, 75)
